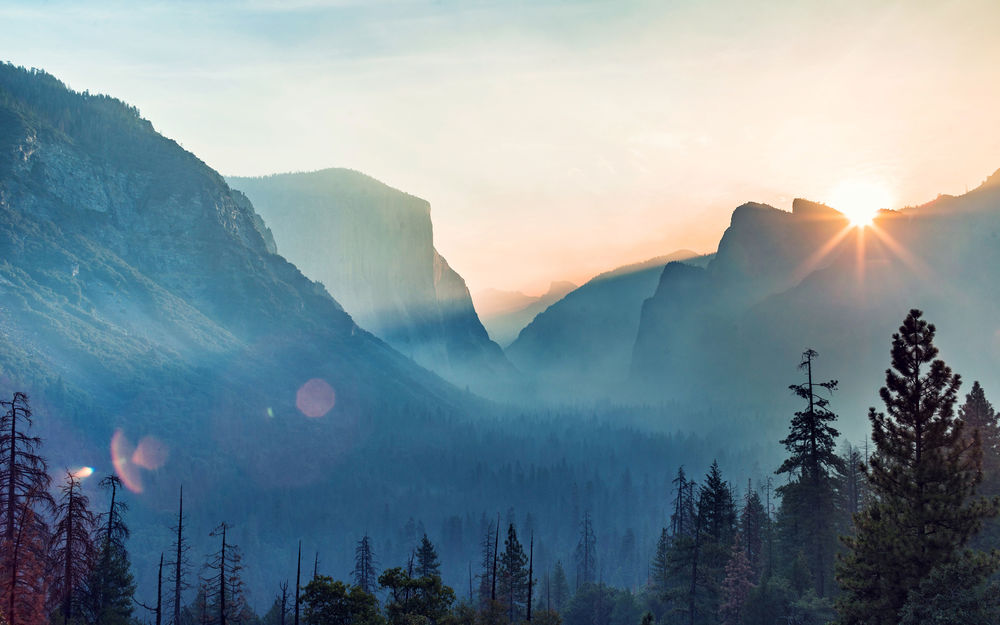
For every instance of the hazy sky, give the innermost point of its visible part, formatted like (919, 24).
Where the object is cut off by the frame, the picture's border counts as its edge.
(554, 140)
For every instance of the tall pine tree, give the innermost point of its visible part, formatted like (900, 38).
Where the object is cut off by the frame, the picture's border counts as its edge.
(923, 475)
(808, 501)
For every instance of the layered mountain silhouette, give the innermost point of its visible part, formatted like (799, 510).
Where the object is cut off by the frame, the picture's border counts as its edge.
(140, 293)
(783, 282)
(505, 313)
(581, 346)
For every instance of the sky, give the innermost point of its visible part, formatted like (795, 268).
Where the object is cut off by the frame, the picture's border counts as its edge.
(554, 139)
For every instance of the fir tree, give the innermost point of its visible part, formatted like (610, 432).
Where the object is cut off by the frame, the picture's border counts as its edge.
(737, 585)
(586, 552)
(513, 578)
(923, 475)
(980, 418)
(427, 559)
(659, 570)
(753, 526)
(559, 587)
(487, 563)
(809, 500)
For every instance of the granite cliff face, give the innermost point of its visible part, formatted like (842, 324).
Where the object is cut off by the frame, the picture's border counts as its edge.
(784, 282)
(372, 247)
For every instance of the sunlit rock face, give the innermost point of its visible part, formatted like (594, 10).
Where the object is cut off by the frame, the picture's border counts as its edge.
(783, 282)
(372, 247)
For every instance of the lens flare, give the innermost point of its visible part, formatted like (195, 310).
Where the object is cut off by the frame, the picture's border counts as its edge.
(150, 454)
(121, 459)
(860, 200)
(82, 472)
(315, 398)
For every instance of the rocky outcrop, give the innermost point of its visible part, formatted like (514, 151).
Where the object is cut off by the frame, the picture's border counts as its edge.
(784, 282)
(372, 247)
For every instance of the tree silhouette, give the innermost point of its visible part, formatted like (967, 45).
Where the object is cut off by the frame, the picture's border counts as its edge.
(25, 503)
(810, 498)
(586, 552)
(365, 574)
(73, 551)
(923, 475)
(110, 586)
(427, 559)
(180, 563)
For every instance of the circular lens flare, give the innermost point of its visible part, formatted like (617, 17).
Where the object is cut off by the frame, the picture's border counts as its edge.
(315, 398)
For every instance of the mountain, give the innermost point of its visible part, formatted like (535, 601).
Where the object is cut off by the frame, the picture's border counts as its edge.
(141, 300)
(784, 282)
(580, 347)
(505, 313)
(372, 247)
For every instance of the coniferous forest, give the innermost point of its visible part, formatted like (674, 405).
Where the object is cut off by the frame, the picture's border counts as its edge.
(901, 530)
(437, 312)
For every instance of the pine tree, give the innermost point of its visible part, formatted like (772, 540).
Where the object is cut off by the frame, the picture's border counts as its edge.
(659, 569)
(25, 504)
(365, 574)
(980, 418)
(737, 585)
(110, 587)
(72, 550)
(513, 577)
(851, 489)
(717, 522)
(427, 559)
(586, 552)
(753, 526)
(560, 587)
(809, 500)
(923, 475)
(487, 563)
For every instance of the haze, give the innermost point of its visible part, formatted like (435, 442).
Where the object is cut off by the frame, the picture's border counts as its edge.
(554, 140)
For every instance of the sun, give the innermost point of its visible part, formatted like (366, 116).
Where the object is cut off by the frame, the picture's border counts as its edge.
(860, 200)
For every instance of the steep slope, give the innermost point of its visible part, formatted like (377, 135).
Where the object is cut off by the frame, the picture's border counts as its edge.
(372, 247)
(580, 346)
(506, 313)
(139, 298)
(784, 282)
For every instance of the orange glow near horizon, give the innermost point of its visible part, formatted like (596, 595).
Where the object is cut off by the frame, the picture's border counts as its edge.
(860, 200)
